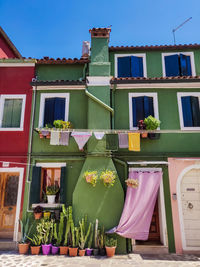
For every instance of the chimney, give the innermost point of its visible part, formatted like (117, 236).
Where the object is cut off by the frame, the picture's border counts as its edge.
(100, 32)
(85, 49)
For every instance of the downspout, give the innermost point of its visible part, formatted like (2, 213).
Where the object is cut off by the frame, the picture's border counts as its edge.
(99, 102)
(113, 105)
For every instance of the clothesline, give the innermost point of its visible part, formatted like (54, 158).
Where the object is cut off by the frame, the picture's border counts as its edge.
(107, 131)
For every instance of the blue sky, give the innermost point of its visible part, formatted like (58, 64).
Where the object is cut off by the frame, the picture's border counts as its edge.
(57, 28)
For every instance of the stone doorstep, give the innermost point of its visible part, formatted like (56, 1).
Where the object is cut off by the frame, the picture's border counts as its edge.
(150, 249)
(8, 245)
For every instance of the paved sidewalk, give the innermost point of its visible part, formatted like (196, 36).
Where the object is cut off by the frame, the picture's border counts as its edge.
(13, 259)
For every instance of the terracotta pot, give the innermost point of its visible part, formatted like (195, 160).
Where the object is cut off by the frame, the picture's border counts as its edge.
(23, 248)
(35, 250)
(41, 135)
(48, 136)
(110, 251)
(144, 135)
(37, 215)
(64, 250)
(73, 252)
(81, 252)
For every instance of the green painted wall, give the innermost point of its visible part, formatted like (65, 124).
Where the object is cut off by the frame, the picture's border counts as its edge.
(169, 117)
(49, 72)
(154, 61)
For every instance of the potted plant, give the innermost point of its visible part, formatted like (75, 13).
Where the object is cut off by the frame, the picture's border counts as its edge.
(46, 214)
(45, 231)
(35, 244)
(89, 249)
(67, 213)
(108, 178)
(51, 192)
(60, 124)
(38, 212)
(152, 124)
(91, 177)
(101, 241)
(56, 240)
(23, 244)
(73, 249)
(83, 235)
(96, 232)
(142, 126)
(111, 244)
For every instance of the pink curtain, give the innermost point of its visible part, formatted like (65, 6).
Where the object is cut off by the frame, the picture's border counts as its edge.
(139, 205)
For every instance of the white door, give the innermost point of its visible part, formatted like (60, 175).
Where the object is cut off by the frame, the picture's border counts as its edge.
(190, 202)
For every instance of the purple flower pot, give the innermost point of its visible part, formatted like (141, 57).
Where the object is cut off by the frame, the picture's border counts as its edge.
(89, 251)
(46, 249)
(54, 250)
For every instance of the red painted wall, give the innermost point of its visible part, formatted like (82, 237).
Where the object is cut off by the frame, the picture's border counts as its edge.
(16, 80)
(5, 51)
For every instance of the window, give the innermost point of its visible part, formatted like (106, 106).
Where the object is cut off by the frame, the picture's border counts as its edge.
(178, 64)
(141, 105)
(130, 65)
(53, 107)
(12, 109)
(189, 110)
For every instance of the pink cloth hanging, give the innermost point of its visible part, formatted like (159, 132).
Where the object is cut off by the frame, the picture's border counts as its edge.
(139, 206)
(81, 138)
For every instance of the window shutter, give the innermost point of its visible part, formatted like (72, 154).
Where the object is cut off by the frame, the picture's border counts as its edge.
(134, 111)
(35, 185)
(187, 111)
(172, 66)
(59, 109)
(124, 66)
(63, 185)
(7, 113)
(148, 106)
(185, 65)
(139, 108)
(136, 66)
(16, 112)
(49, 111)
(195, 111)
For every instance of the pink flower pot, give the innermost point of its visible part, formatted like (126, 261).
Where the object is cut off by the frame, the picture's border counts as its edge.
(46, 249)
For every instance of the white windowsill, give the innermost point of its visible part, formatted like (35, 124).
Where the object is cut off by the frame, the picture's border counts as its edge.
(47, 205)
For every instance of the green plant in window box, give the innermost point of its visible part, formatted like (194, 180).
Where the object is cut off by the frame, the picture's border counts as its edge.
(51, 192)
(152, 124)
(60, 124)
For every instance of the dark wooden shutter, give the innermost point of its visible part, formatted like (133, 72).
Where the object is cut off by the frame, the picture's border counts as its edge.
(172, 65)
(12, 113)
(49, 111)
(136, 66)
(195, 111)
(35, 185)
(185, 65)
(59, 109)
(63, 185)
(124, 66)
(187, 111)
(16, 112)
(148, 106)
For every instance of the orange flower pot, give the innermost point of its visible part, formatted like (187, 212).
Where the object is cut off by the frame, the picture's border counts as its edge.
(35, 250)
(144, 135)
(81, 252)
(23, 248)
(37, 215)
(64, 250)
(73, 252)
(110, 251)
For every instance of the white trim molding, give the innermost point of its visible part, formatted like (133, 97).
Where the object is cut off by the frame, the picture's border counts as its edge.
(155, 106)
(191, 54)
(154, 85)
(22, 64)
(2, 101)
(42, 105)
(180, 210)
(51, 164)
(179, 95)
(143, 56)
(19, 196)
(98, 80)
(59, 87)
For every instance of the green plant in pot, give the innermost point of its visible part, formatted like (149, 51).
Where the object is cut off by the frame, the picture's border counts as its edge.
(67, 214)
(51, 192)
(111, 244)
(35, 244)
(84, 234)
(152, 124)
(96, 233)
(23, 244)
(101, 241)
(38, 212)
(89, 244)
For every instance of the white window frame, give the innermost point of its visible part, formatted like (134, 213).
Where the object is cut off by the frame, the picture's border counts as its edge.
(179, 95)
(129, 55)
(155, 106)
(42, 105)
(191, 54)
(2, 101)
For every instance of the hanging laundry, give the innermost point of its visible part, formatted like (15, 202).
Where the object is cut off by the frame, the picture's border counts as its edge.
(99, 135)
(55, 135)
(134, 141)
(81, 138)
(112, 142)
(123, 140)
(64, 138)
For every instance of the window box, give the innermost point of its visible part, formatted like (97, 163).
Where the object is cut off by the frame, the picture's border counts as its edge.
(130, 65)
